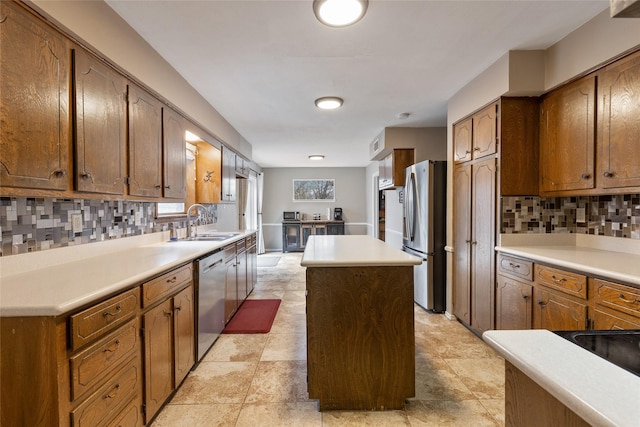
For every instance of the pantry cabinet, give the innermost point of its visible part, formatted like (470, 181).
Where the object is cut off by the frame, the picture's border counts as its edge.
(174, 155)
(492, 147)
(101, 126)
(145, 144)
(35, 136)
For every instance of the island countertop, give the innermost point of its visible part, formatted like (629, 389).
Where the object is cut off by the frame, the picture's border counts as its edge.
(600, 392)
(353, 251)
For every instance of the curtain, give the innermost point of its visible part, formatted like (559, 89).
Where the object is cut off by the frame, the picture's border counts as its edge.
(259, 199)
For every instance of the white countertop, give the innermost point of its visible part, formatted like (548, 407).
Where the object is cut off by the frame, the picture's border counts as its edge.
(353, 251)
(48, 284)
(614, 258)
(598, 391)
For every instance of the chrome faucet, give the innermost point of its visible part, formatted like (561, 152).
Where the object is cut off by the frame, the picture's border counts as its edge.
(206, 216)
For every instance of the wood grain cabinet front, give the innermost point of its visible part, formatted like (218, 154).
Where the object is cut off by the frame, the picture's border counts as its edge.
(166, 284)
(174, 155)
(35, 136)
(514, 293)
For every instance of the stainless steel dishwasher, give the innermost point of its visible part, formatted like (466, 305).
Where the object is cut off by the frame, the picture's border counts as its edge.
(210, 293)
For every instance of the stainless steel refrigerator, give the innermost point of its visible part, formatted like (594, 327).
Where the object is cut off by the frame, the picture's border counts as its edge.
(424, 231)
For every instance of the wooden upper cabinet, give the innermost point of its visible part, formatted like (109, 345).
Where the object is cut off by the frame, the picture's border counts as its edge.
(392, 167)
(567, 137)
(228, 175)
(145, 144)
(174, 146)
(619, 130)
(208, 174)
(462, 140)
(101, 126)
(35, 140)
(484, 132)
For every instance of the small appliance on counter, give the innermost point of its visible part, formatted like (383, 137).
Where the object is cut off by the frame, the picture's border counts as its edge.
(291, 216)
(337, 214)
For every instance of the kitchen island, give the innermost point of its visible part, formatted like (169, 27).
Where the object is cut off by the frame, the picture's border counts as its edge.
(360, 331)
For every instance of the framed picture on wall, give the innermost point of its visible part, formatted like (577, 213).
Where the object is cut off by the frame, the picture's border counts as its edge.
(314, 190)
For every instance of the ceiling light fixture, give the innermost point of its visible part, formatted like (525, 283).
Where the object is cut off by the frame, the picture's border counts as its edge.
(339, 13)
(316, 157)
(329, 102)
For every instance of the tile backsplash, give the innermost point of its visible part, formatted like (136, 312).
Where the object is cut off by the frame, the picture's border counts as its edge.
(35, 224)
(614, 216)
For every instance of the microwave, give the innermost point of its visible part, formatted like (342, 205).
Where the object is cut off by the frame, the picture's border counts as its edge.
(290, 215)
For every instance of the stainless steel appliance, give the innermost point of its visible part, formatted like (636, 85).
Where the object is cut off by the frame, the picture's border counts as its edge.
(290, 215)
(210, 293)
(424, 231)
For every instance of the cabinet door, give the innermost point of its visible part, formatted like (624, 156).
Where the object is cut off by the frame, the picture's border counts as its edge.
(208, 174)
(555, 312)
(483, 217)
(462, 243)
(174, 146)
(462, 141)
(242, 276)
(290, 237)
(145, 144)
(384, 170)
(228, 175)
(158, 356)
(101, 126)
(484, 132)
(567, 137)
(513, 304)
(35, 140)
(306, 230)
(184, 333)
(619, 140)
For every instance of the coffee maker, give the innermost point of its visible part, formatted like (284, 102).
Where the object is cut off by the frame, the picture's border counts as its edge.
(337, 214)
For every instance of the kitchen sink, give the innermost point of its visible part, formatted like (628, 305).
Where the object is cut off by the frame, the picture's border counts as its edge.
(620, 347)
(214, 236)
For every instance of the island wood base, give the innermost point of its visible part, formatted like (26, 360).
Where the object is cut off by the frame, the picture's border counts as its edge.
(529, 405)
(360, 337)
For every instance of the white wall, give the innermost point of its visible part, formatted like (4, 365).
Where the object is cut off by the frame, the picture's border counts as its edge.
(278, 197)
(592, 44)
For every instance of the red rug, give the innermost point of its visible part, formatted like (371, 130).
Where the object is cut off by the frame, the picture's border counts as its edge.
(255, 316)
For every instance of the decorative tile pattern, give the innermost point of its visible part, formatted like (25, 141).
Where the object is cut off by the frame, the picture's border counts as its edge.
(614, 216)
(34, 224)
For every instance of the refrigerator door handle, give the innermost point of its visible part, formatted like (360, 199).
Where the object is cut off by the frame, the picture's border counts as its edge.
(409, 208)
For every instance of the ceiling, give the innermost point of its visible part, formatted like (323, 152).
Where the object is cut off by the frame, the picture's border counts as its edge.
(261, 64)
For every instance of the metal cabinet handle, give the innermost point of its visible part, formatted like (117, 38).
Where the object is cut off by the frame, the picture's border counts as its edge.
(168, 313)
(117, 311)
(476, 149)
(608, 174)
(555, 279)
(512, 265)
(86, 175)
(526, 297)
(158, 186)
(59, 173)
(178, 308)
(168, 187)
(172, 280)
(113, 348)
(542, 303)
(585, 176)
(114, 394)
(630, 301)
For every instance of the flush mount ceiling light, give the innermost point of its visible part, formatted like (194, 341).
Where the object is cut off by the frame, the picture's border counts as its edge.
(329, 102)
(316, 157)
(339, 13)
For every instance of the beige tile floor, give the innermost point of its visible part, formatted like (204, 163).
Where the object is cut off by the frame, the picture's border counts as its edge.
(260, 380)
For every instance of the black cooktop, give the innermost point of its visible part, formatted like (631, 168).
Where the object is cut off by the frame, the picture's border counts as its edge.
(622, 348)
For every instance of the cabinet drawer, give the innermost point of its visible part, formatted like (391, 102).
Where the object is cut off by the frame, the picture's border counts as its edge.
(94, 322)
(569, 283)
(241, 245)
(161, 287)
(230, 251)
(107, 402)
(515, 267)
(90, 367)
(617, 297)
(130, 416)
(612, 320)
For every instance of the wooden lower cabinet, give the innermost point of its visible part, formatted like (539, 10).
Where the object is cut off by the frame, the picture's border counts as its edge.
(169, 348)
(555, 312)
(514, 306)
(610, 320)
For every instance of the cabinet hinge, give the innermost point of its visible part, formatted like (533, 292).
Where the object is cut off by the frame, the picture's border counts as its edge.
(142, 332)
(127, 180)
(143, 409)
